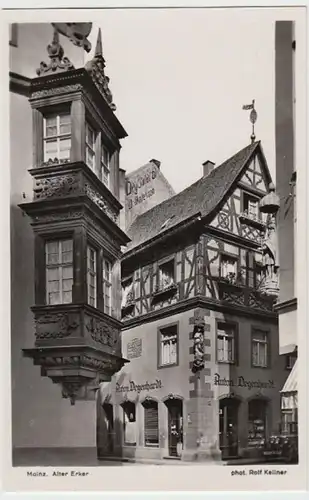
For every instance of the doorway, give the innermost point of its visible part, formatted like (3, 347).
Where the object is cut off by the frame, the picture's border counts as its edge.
(175, 427)
(228, 427)
(109, 422)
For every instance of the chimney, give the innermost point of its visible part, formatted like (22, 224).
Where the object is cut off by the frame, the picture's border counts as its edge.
(208, 166)
(156, 162)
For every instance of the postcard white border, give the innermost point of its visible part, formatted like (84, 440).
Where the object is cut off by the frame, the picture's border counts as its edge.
(153, 478)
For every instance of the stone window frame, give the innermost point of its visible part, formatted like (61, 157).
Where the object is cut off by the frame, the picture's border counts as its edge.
(267, 332)
(235, 327)
(161, 328)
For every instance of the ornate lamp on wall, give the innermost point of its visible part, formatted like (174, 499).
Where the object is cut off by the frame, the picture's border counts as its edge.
(270, 205)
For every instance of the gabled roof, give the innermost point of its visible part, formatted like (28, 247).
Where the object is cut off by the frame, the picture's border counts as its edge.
(201, 197)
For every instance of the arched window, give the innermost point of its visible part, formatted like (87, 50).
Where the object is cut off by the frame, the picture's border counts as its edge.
(129, 423)
(151, 423)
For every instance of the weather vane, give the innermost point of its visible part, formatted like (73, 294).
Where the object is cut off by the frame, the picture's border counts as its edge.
(253, 117)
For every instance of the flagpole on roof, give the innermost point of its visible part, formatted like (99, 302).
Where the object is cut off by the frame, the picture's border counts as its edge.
(253, 117)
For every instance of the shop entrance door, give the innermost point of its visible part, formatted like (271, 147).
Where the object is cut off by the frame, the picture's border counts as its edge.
(175, 427)
(228, 428)
(109, 421)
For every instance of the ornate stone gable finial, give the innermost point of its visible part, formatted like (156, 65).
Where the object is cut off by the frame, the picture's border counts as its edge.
(95, 68)
(58, 63)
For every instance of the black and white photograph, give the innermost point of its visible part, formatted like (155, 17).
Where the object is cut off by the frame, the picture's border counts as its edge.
(155, 219)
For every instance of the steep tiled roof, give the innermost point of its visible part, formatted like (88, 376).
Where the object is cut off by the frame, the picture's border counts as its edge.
(203, 196)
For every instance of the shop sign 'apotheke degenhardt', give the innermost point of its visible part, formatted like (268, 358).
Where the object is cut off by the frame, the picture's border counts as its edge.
(133, 387)
(242, 382)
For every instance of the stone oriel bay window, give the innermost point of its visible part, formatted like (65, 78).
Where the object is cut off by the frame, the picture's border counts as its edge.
(69, 131)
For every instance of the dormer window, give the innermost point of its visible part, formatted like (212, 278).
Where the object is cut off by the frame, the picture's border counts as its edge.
(166, 275)
(57, 137)
(105, 159)
(90, 147)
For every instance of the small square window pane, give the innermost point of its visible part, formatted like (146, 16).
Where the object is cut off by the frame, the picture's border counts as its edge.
(67, 285)
(52, 246)
(51, 121)
(64, 118)
(52, 274)
(51, 131)
(67, 257)
(51, 149)
(54, 298)
(67, 245)
(67, 272)
(67, 297)
(53, 286)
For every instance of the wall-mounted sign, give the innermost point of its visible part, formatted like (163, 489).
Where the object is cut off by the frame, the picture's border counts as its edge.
(134, 348)
(133, 387)
(132, 186)
(241, 382)
(137, 199)
(135, 185)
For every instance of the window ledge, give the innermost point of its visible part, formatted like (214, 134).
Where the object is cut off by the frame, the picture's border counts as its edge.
(251, 220)
(169, 290)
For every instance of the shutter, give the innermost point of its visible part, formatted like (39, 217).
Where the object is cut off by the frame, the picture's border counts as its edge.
(151, 423)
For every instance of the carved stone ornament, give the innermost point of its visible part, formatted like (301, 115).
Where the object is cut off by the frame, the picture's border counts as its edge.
(52, 217)
(55, 325)
(65, 89)
(95, 68)
(53, 187)
(58, 63)
(103, 333)
(198, 348)
(100, 202)
(270, 259)
(71, 387)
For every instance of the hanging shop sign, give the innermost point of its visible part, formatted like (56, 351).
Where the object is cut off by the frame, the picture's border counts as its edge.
(133, 387)
(242, 382)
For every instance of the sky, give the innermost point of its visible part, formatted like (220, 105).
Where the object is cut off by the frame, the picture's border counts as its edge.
(180, 78)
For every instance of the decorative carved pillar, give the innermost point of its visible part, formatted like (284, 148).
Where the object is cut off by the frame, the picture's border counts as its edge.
(78, 141)
(80, 266)
(37, 127)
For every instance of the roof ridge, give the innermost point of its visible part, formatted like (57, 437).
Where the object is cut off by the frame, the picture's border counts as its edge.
(211, 174)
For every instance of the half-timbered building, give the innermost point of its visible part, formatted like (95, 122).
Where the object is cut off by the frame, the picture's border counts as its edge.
(199, 326)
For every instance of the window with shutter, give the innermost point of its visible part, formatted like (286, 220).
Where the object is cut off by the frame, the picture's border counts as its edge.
(151, 423)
